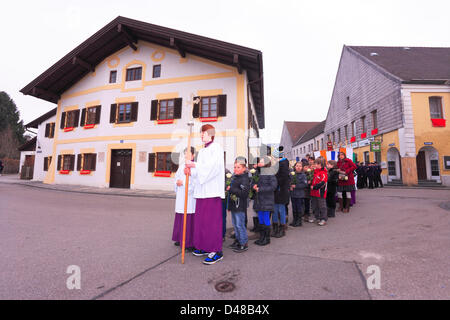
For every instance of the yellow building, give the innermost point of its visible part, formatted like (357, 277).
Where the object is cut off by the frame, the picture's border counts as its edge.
(395, 99)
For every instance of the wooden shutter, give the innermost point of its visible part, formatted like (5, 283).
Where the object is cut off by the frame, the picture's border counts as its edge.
(45, 163)
(196, 108)
(222, 105)
(47, 130)
(98, 109)
(83, 117)
(63, 120)
(151, 162)
(52, 130)
(76, 118)
(79, 161)
(134, 111)
(154, 110)
(58, 165)
(72, 162)
(177, 108)
(93, 162)
(112, 116)
(175, 158)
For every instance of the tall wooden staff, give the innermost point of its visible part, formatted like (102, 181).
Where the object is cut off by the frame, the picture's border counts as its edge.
(186, 186)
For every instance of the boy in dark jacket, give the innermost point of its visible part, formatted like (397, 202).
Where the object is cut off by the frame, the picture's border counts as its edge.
(298, 185)
(238, 193)
(264, 200)
(332, 183)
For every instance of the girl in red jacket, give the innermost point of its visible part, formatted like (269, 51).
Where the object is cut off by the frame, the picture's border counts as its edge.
(346, 181)
(319, 191)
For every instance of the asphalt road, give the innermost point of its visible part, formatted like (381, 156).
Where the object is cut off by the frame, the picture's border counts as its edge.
(123, 248)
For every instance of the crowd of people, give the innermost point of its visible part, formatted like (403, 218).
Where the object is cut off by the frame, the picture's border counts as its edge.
(314, 187)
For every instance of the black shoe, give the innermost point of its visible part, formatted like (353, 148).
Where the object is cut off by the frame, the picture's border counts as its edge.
(234, 245)
(256, 225)
(266, 236)
(294, 221)
(241, 248)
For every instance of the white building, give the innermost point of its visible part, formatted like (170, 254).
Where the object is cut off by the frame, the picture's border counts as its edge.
(291, 133)
(124, 98)
(312, 140)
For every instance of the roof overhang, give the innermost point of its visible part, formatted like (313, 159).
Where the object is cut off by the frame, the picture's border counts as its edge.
(122, 32)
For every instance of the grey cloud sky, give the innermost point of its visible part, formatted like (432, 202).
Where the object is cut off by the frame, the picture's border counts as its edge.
(301, 41)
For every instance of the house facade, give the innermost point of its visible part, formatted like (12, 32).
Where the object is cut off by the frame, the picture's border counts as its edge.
(391, 104)
(292, 131)
(310, 142)
(125, 98)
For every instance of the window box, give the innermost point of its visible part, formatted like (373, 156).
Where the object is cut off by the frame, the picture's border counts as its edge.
(68, 129)
(438, 122)
(64, 171)
(89, 126)
(363, 135)
(353, 139)
(85, 171)
(374, 131)
(167, 121)
(165, 174)
(208, 119)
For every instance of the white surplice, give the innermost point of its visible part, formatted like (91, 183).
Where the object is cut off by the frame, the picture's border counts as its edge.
(180, 190)
(210, 173)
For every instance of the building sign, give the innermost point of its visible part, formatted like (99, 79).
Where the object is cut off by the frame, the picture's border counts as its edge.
(447, 162)
(375, 146)
(428, 143)
(391, 144)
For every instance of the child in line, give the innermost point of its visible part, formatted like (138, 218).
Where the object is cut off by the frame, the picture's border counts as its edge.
(264, 201)
(319, 191)
(309, 172)
(237, 203)
(298, 185)
(180, 182)
(332, 183)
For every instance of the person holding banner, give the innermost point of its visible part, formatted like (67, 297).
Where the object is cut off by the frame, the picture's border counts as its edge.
(346, 181)
(208, 192)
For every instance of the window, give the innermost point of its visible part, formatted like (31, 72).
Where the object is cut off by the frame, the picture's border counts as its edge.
(66, 162)
(321, 143)
(134, 74)
(70, 119)
(345, 133)
(435, 107)
(113, 76)
(348, 102)
(91, 115)
(366, 157)
(377, 157)
(87, 161)
(50, 130)
(374, 119)
(363, 123)
(208, 107)
(339, 135)
(334, 137)
(157, 71)
(353, 128)
(434, 167)
(166, 109)
(124, 114)
(392, 171)
(164, 162)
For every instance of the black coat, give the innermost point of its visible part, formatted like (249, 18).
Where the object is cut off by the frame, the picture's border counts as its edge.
(301, 185)
(282, 192)
(332, 184)
(265, 198)
(240, 187)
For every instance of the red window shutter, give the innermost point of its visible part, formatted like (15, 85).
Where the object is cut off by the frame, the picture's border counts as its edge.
(151, 162)
(154, 110)
(112, 115)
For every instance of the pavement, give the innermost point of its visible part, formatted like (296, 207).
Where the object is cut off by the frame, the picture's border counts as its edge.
(122, 246)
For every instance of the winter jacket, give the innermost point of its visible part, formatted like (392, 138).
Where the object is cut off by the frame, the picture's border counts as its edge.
(300, 186)
(240, 187)
(332, 183)
(319, 183)
(265, 198)
(348, 166)
(282, 192)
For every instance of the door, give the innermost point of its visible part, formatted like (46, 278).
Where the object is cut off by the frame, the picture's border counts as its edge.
(120, 168)
(421, 166)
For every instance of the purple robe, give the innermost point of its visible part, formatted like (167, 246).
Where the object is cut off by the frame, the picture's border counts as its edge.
(208, 224)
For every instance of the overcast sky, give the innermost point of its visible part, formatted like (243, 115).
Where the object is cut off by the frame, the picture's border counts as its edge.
(301, 41)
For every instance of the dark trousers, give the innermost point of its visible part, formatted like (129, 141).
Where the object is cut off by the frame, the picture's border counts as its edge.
(370, 182)
(319, 208)
(297, 205)
(307, 205)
